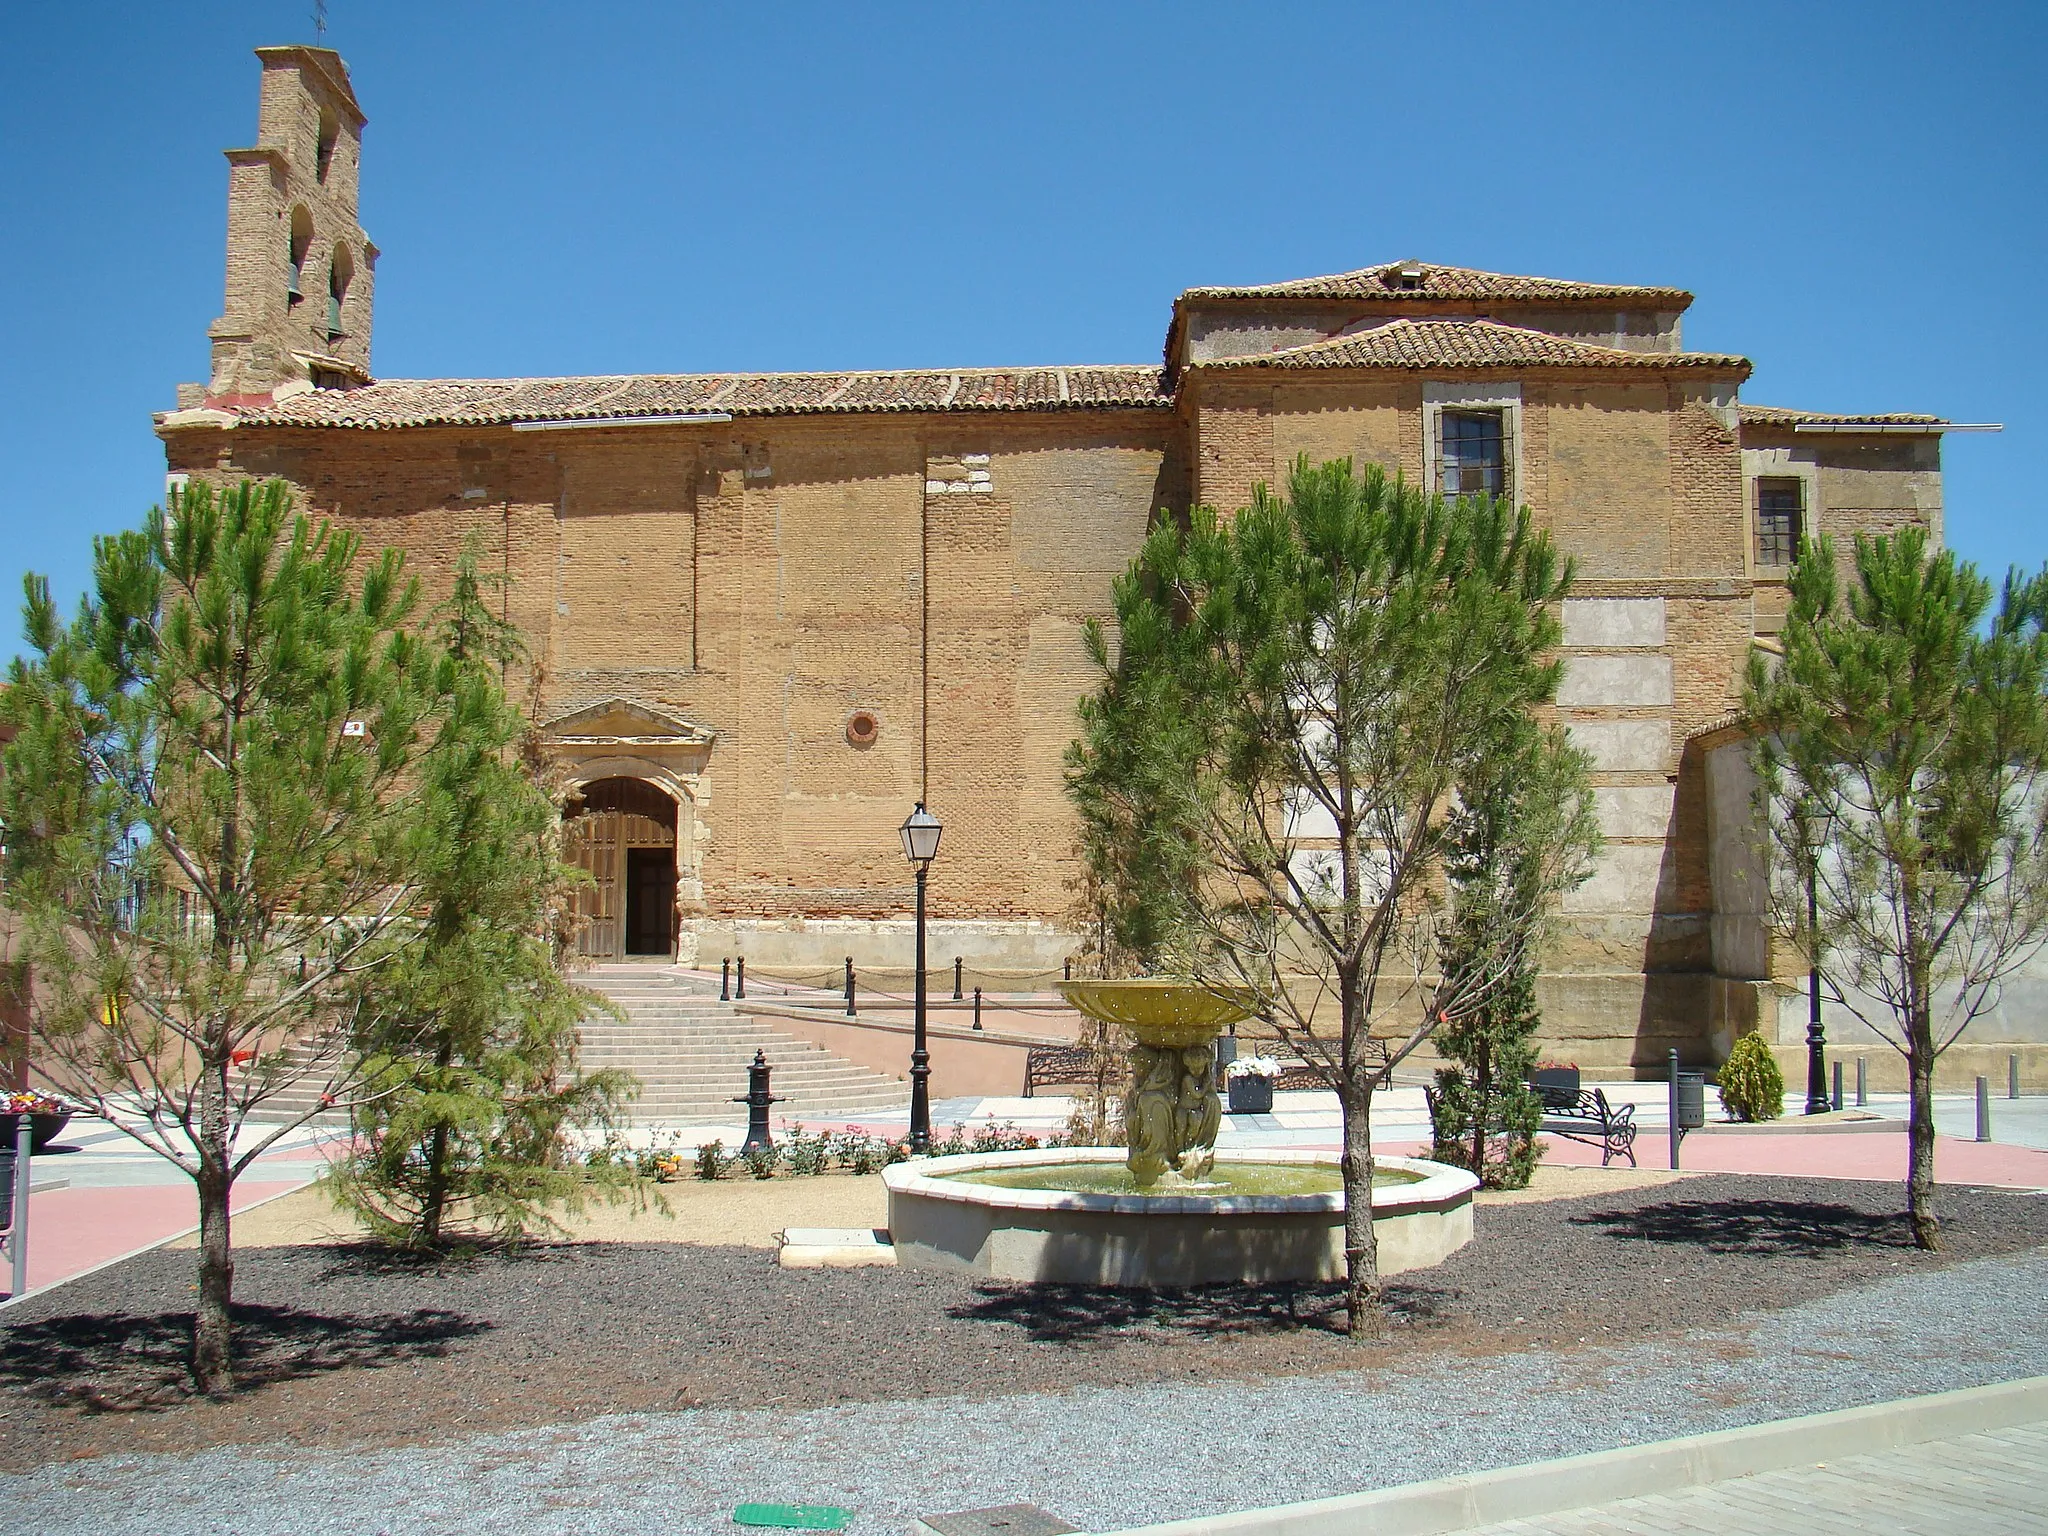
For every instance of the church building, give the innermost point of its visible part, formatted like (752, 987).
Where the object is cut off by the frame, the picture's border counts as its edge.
(769, 612)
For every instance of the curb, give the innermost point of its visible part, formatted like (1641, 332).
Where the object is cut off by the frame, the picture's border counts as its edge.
(1575, 1482)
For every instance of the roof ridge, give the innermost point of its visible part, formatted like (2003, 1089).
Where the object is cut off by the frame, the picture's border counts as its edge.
(1619, 357)
(780, 373)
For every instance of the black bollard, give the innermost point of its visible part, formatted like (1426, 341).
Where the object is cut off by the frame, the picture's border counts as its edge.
(847, 984)
(852, 1010)
(741, 989)
(1835, 1098)
(725, 980)
(956, 978)
(757, 1100)
(1068, 971)
(977, 1007)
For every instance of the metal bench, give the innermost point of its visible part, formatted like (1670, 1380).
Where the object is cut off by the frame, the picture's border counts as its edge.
(1045, 1065)
(1584, 1115)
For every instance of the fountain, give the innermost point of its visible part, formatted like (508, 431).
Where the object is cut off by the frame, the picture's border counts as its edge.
(1169, 1210)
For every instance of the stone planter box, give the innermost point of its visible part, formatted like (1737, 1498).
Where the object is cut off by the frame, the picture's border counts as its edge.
(1250, 1095)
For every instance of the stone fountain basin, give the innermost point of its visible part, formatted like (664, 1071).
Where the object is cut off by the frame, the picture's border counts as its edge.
(1163, 1241)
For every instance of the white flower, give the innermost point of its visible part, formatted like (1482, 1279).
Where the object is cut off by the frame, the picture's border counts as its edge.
(1253, 1066)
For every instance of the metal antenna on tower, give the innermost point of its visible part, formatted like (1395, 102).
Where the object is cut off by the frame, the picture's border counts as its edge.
(319, 22)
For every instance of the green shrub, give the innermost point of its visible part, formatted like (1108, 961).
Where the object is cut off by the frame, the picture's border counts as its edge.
(712, 1161)
(1752, 1087)
(761, 1161)
(1512, 1116)
(807, 1152)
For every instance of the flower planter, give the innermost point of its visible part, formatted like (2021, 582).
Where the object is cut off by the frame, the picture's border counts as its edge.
(1251, 1095)
(43, 1129)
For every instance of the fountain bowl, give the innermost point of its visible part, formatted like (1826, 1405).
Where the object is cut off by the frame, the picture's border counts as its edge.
(1172, 1015)
(941, 1218)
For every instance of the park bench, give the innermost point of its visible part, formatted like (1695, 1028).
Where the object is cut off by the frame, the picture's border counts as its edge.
(1583, 1114)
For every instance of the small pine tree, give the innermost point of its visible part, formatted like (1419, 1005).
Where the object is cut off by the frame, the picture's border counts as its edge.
(470, 1045)
(1518, 806)
(1750, 1084)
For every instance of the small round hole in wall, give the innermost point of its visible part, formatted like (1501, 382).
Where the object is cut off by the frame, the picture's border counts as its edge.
(862, 728)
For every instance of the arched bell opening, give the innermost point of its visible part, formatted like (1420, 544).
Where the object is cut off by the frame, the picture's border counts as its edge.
(622, 832)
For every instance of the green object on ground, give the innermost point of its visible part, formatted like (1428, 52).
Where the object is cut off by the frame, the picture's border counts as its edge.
(798, 1517)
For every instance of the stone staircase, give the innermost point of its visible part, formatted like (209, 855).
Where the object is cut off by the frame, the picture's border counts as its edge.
(691, 1053)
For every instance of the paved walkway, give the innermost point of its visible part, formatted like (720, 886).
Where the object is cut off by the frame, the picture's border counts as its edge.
(1992, 1484)
(120, 1198)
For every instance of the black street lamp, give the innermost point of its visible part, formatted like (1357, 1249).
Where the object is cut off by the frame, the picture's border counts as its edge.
(921, 831)
(1816, 1036)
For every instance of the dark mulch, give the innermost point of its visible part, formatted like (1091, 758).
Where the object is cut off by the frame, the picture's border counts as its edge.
(343, 1346)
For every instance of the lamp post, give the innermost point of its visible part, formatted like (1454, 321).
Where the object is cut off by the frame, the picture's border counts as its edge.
(921, 831)
(1816, 1036)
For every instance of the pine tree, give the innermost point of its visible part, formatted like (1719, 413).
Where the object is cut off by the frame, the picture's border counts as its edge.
(213, 824)
(1298, 694)
(470, 1042)
(1483, 1115)
(1901, 749)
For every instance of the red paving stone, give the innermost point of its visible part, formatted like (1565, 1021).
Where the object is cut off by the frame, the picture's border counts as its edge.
(74, 1230)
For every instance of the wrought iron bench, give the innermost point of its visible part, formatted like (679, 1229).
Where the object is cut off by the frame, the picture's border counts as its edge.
(1045, 1065)
(1583, 1114)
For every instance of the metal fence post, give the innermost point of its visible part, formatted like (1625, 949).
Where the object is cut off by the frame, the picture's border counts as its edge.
(1675, 1132)
(1983, 1109)
(17, 1237)
(847, 984)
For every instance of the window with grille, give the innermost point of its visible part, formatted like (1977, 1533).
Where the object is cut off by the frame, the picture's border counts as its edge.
(1780, 519)
(1472, 453)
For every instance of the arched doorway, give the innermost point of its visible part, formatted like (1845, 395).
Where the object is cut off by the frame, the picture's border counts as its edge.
(623, 833)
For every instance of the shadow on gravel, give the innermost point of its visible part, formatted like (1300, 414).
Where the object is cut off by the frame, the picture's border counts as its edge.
(121, 1362)
(1774, 1228)
(368, 1258)
(1074, 1313)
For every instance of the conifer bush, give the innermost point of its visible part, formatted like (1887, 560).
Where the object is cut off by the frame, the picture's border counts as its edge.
(1752, 1087)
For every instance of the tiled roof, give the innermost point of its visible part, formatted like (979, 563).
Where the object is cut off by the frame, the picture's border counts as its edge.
(1420, 344)
(1463, 283)
(501, 402)
(1784, 416)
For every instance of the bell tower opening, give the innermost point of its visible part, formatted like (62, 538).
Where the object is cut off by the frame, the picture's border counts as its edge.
(622, 833)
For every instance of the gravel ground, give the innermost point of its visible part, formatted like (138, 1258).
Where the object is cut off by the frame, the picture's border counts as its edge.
(960, 1408)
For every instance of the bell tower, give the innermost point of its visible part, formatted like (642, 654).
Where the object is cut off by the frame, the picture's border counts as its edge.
(300, 270)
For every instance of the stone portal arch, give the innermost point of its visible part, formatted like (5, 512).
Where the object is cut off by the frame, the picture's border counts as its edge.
(634, 818)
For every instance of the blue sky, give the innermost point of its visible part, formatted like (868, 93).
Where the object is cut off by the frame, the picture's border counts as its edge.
(1855, 193)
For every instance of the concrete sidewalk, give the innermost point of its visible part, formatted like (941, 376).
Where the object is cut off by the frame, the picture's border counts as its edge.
(1974, 1460)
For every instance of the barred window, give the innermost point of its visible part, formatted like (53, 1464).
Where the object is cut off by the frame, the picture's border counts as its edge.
(1472, 453)
(1780, 519)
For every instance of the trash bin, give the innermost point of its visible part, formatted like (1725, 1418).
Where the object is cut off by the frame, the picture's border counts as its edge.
(6, 1186)
(1690, 1101)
